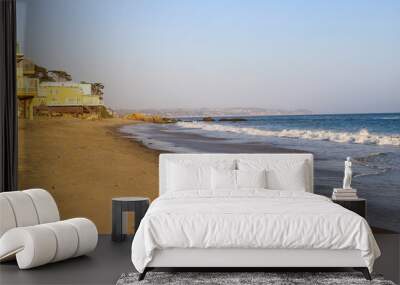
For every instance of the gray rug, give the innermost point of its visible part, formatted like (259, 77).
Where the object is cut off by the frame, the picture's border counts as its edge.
(228, 278)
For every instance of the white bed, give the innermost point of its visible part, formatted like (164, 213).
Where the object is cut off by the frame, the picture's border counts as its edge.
(194, 226)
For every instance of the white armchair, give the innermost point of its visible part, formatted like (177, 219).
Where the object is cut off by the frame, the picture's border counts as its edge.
(31, 230)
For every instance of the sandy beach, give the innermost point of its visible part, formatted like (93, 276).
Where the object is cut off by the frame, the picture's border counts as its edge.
(84, 164)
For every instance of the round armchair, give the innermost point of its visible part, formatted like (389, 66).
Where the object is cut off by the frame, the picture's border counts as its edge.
(31, 230)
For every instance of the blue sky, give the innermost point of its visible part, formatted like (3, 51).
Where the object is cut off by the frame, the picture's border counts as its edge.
(326, 56)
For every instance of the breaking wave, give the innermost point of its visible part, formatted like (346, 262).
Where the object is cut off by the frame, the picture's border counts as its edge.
(378, 162)
(389, 118)
(361, 137)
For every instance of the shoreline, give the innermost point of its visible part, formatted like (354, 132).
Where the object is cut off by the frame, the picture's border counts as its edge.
(195, 142)
(115, 129)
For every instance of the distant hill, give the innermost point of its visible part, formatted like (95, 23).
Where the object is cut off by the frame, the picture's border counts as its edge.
(213, 112)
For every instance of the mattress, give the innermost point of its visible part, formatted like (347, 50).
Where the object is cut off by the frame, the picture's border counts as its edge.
(250, 219)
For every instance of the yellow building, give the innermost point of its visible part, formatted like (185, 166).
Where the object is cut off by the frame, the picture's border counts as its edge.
(27, 86)
(35, 97)
(66, 97)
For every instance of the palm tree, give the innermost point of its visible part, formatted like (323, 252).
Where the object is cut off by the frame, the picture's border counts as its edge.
(97, 89)
(60, 75)
(42, 74)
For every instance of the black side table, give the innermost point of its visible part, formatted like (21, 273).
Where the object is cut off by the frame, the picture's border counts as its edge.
(139, 205)
(358, 206)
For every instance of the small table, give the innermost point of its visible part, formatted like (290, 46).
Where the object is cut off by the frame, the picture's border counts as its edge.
(358, 206)
(138, 205)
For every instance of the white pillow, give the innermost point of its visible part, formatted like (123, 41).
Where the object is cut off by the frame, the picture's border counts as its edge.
(290, 177)
(251, 178)
(293, 179)
(189, 174)
(188, 177)
(281, 174)
(223, 179)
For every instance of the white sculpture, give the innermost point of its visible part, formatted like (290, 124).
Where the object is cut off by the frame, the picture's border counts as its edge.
(348, 172)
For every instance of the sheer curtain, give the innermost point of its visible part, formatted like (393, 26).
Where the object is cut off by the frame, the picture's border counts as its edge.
(8, 100)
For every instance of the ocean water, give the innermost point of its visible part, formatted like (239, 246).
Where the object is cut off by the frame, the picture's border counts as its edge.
(372, 140)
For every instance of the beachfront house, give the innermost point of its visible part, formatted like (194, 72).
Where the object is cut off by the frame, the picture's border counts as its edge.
(37, 96)
(27, 86)
(66, 97)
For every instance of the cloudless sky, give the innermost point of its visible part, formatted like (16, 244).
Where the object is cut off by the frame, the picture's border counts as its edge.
(325, 56)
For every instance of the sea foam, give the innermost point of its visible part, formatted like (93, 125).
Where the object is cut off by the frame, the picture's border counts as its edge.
(361, 137)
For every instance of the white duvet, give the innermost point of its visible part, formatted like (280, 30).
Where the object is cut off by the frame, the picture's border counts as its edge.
(250, 219)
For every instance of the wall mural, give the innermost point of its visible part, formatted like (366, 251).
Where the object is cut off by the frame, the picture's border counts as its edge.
(103, 88)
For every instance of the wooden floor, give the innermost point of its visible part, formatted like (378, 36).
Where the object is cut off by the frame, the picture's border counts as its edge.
(111, 259)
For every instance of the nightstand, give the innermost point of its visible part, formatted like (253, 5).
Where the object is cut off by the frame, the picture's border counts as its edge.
(120, 205)
(358, 206)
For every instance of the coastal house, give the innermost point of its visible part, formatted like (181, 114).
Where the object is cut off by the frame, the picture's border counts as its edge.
(27, 86)
(67, 97)
(48, 92)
